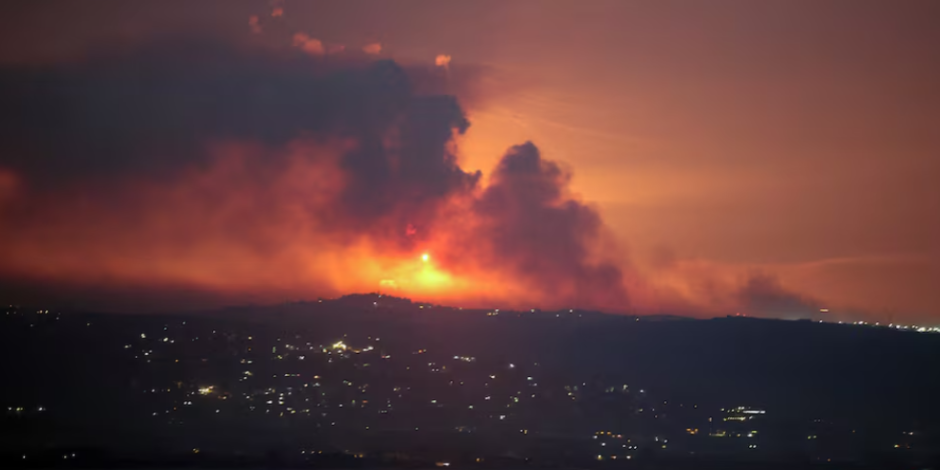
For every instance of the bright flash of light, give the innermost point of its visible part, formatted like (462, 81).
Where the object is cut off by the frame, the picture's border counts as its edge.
(425, 257)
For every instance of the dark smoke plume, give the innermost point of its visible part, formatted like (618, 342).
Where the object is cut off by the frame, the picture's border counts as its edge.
(544, 235)
(152, 114)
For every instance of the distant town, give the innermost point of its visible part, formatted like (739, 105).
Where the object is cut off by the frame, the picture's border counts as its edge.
(377, 380)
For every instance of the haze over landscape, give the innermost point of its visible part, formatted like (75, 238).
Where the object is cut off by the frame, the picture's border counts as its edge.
(775, 159)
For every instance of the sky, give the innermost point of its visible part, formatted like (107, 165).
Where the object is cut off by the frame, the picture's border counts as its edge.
(768, 158)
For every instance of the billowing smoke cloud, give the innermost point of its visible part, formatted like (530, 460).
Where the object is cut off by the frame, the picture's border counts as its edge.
(202, 172)
(542, 234)
(762, 293)
(210, 167)
(695, 286)
(156, 108)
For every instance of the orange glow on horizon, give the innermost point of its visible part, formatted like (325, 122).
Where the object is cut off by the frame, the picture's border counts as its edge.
(214, 229)
(207, 231)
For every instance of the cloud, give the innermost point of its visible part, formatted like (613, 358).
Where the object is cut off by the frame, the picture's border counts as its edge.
(544, 235)
(158, 111)
(308, 44)
(374, 48)
(155, 108)
(277, 12)
(254, 24)
(696, 286)
(249, 171)
(335, 49)
(761, 294)
(272, 174)
(442, 60)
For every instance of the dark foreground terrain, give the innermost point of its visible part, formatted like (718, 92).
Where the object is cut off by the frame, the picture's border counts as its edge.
(372, 381)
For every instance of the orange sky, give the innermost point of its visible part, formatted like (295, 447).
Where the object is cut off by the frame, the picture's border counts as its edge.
(795, 138)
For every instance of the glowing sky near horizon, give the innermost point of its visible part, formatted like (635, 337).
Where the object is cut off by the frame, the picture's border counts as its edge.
(795, 139)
